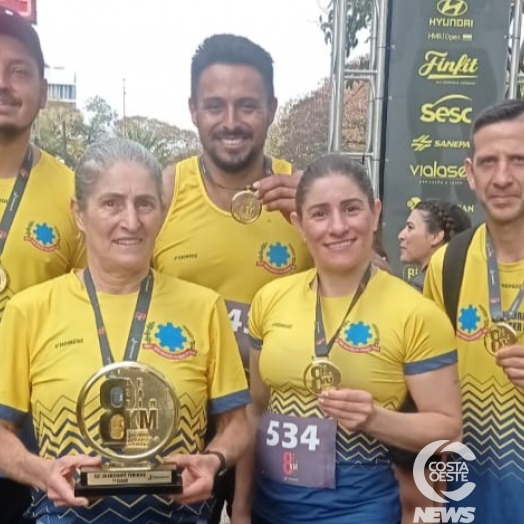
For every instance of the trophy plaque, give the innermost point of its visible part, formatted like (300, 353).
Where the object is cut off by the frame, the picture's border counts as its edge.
(128, 412)
(321, 375)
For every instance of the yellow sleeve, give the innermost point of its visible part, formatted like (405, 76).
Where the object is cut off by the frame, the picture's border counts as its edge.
(15, 390)
(255, 322)
(78, 259)
(430, 341)
(227, 380)
(433, 281)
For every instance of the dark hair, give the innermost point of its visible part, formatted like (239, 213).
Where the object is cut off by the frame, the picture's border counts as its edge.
(439, 215)
(14, 26)
(231, 50)
(502, 112)
(334, 163)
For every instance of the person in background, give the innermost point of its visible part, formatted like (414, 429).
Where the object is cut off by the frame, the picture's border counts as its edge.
(39, 240)
(232, 104)
(52, 343)
(430, 225)
(320, 453)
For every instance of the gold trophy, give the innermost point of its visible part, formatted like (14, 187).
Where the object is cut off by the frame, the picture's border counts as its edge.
(128, 412)
(321, 375)
(245, 206)
(499, 335)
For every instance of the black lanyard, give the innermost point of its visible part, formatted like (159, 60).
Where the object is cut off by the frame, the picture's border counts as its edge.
(137, 325)
(322, 346)
(15, 198)
(495, 300)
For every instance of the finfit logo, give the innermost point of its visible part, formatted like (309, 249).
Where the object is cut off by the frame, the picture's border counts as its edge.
(452, 8)
(444, 471)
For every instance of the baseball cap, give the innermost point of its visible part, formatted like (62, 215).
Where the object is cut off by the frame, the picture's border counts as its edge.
(15, 26)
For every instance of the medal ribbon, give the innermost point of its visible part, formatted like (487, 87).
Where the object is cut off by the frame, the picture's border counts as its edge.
(322, 347)
(137, 326)
(15, 198)
(495, 300)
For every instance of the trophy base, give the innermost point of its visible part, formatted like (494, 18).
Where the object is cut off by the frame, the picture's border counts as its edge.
(100, 482)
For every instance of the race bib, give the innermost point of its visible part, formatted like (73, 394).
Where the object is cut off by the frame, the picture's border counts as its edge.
(297, 451)
(238, 316)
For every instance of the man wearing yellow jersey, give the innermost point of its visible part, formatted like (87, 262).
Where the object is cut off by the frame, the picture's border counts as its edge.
(490, 318)
(38, 239)
(232, 104)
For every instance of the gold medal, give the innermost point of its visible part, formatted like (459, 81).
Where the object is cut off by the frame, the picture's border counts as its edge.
(321, 375)
(3, 279)
(245, 206)
(499, 335)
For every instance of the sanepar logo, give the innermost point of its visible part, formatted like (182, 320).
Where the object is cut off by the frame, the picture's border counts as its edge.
(450, 109)
(452, 7)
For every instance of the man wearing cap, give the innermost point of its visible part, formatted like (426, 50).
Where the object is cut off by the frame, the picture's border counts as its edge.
(38, 237)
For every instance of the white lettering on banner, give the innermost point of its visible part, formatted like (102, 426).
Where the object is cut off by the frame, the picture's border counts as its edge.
(286, 435)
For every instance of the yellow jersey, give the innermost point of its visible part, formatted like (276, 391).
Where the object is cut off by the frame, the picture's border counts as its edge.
(492, 405)
(46, 360)
(392, 331)
(44, 241)
(204, 244)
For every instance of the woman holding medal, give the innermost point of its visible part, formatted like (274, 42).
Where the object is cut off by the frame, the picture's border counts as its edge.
(335, 351)
(56, 336)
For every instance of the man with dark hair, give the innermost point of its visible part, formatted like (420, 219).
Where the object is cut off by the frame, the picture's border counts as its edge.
(490, 320)
(39, 239)
(226, 226)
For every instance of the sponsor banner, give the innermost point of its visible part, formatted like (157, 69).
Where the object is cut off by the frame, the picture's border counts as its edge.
(447, 62)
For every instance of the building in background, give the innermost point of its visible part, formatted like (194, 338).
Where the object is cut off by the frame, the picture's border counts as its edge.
(61, 85)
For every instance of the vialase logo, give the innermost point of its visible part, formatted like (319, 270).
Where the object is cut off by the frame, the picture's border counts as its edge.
(436, 170)
(449, 109)
(452, 8)
(438, 66)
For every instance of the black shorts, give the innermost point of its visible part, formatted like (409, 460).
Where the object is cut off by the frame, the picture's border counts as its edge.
(15, 499)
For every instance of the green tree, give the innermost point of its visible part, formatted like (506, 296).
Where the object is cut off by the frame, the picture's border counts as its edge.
(100, 120)
(167, 142)
(300, 133)
(358, 17)
(59, 130)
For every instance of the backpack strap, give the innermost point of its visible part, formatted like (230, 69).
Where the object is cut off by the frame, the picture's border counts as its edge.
(453, 271)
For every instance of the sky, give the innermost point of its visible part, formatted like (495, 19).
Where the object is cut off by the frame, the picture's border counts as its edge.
(150, 44)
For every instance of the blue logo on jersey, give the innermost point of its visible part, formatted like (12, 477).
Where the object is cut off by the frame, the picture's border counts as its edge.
(277, 258)
(42, 236)
(359, 337)
(170, 341)
(472, 323)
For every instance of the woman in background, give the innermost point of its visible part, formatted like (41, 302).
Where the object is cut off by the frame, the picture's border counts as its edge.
(431, 224)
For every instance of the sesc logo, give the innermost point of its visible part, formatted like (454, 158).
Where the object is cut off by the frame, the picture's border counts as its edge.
(452, 8)
(447, 471)
(446, 110)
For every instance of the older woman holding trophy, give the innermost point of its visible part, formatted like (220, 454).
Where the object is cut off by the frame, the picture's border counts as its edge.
(120, 366)
(335, 351)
